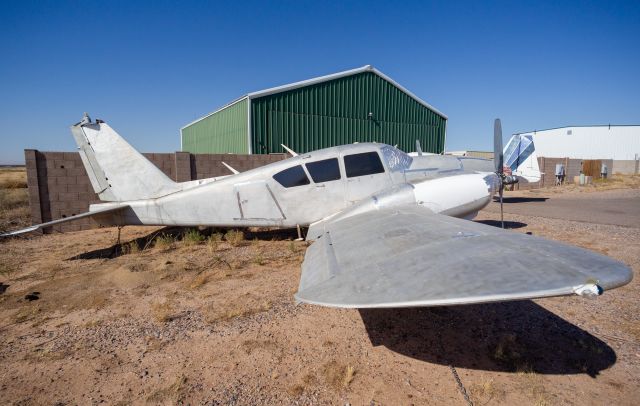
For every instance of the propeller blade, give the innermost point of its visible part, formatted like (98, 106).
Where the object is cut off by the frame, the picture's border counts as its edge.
(501, 211)
(498, 156)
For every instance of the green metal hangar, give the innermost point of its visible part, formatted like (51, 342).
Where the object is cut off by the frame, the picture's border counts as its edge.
(358, 105)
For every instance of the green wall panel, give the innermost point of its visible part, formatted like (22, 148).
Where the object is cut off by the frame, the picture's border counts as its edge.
(222, 132)
(337, 112)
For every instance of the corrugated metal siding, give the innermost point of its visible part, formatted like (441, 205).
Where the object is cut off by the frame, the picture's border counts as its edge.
(594, 142)
(336, 112)
(222, 132)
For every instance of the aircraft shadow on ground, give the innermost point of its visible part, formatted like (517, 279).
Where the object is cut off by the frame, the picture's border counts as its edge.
(520, 199)
(177, 233)
(505, 337)
(507, 224)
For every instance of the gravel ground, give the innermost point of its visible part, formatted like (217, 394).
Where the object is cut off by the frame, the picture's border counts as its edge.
(215, 323)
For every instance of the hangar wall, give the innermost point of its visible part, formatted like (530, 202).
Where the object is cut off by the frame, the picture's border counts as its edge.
(357, 108)
(358, 105)
(223, 131)
(618, 142)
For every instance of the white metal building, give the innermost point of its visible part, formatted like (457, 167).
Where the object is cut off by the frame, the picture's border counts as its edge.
(617, 142)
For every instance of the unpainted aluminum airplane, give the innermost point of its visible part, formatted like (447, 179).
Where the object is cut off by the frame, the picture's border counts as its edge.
(389, 229)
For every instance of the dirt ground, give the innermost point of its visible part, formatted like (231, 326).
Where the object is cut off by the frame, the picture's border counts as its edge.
(209, 318)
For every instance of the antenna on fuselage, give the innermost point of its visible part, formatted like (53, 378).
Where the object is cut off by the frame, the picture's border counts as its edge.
(289, 150)
(418, 148)
(229, 167)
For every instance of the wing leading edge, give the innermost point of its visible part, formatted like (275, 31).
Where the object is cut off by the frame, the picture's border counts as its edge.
(410, 257)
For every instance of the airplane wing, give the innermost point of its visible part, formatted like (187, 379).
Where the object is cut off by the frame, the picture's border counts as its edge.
(411, 257)
(95, 213)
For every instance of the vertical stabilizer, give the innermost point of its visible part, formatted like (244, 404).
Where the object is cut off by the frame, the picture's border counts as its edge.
(116, 170)
(520, 156)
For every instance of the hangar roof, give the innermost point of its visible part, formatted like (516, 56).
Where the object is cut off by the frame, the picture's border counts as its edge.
(321, 79)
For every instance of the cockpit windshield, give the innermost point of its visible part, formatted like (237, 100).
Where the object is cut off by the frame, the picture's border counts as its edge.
(396, 160)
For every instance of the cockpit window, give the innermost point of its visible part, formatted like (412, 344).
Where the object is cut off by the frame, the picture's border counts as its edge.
(397, 160)
(366, 163)
(324, 171)
(292, 177)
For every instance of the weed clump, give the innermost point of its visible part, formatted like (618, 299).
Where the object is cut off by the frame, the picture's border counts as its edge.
(199, 281)
(7, 270)
(172, 392)
(165, 242)
(234, 237)
(338, 375)
(192, 237)
(131, 248)
(259, 260)
(214, 241)
(162, 312)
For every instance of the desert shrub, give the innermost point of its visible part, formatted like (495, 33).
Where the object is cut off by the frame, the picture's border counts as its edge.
(192, 237)
(234, 237)
(131, 248)
(164, 242)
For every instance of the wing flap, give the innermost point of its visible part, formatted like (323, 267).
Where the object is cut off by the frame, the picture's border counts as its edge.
(411, 257)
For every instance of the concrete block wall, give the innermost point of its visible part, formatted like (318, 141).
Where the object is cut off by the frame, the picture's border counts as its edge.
(626, 167)
(547, 166)
(59, 186)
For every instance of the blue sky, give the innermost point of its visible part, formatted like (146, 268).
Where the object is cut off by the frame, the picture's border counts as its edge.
(148, 68)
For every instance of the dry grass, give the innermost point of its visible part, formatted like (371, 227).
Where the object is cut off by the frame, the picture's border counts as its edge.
(259, 259)
(234, 237)
(14, 199)
(292, 247)
(13, 178)
(172, 392)
(296, 390)
(165, 242)
(507, 351)
(199, 281)
(192, 237)
(616, 181)
(249, 346)
(27, 313)
(7, 269)
(162, 312)
(337, 375)
(532, 384)
(213, 242)
(485, 392)
(243, 306)
(131, 248)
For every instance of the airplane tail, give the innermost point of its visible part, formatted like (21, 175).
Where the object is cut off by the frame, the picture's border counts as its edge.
(520, 156)
(116, 170)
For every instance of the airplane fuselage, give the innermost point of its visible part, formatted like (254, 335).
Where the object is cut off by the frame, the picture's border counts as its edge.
(310, 187)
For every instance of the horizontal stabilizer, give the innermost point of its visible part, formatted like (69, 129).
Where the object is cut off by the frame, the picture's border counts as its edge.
(411, 257)
(98, 212)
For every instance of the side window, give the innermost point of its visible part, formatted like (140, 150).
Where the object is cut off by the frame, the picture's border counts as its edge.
(324, 171)
(291, 177)
(366, 163)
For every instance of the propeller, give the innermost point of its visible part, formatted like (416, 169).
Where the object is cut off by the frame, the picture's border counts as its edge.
(498, 160)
